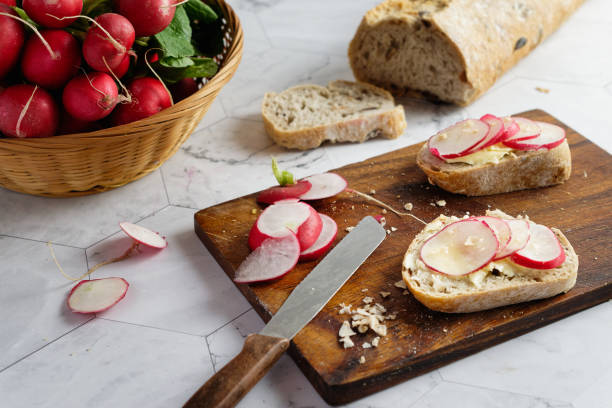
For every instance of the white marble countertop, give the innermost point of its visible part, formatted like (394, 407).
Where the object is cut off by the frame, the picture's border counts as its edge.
(183, 318)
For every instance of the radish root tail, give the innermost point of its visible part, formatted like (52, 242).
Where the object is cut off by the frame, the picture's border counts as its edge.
(146, 60)
(45, 43)
(127, 98)
(388, 207)
(23, 113)
(116, 43)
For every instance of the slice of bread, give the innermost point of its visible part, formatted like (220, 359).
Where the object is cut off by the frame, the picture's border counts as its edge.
(516, 171)
(504, 283)
(305, 116)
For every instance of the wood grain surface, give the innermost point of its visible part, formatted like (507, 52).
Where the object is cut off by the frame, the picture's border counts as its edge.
(420, 340)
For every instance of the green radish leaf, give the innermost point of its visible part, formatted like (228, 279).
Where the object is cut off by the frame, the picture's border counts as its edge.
(198, 68)
(202, 68)
(200, 11)
(172, 62)
(283, 177)
(175, 40)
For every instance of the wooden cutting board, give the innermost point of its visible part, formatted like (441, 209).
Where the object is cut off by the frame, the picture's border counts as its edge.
(420, 340)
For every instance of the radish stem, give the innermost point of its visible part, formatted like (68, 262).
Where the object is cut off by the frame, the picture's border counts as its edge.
(116, 43)
(45, 43)
(24, 111)
(388, 207)
(122, 99)
(146, 60)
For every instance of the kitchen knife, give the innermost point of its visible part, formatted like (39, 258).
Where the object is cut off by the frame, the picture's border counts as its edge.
(261, 350)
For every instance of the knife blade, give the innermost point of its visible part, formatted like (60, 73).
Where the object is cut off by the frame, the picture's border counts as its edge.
(227, 387)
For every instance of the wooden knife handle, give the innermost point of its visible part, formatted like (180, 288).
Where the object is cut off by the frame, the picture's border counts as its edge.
(227, 387)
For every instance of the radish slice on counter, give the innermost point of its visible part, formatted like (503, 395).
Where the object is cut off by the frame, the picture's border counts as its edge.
(460, 248)
(277, 193)
(550, 137)
(324, 242)
(501, 229)
(324, 185)
(458, 139)
(496, 130)
(272, 259)
(543, 250)
(528, 129)
(96, 295)
(518, 238)
(511, 128)
(143, 235)
(286, 217)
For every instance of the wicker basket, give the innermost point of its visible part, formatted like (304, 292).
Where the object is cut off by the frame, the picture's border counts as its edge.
(87, 163)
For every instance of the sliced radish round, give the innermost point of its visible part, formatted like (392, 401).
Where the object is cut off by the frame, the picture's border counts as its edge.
(518, 238)
(286, 217)
(543, 250)
(324, 185)
(458, 139)
(496, 130)
(323, 242)
(96, 295)
(500, 228)
(460, 248)
(272, 259)
(550, 137)
(511, 128)
(528, 129)
(143, 235)
(277, 193)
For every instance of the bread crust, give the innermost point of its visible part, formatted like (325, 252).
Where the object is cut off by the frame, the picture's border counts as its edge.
(487, 37)
(522, 170)
(515, 291)
(389, 124)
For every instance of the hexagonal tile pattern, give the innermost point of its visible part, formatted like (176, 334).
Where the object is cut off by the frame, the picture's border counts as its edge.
(80, 221)
(109, 364)
(178, 288)
(531, 364)
(33, 294)
(232, 153)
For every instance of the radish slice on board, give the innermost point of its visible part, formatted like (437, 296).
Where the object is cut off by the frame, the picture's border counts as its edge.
(511, 128)
(496, 130)
(284, 218)
(143, 235)
(543, 250)
(324, 185)
(272, 259)
(324, 242)
(528, 129)
(277, 193)
(460, 248)
(551, 137)
(518, 238)
(500, 228)
(458, 139)
(96, 295)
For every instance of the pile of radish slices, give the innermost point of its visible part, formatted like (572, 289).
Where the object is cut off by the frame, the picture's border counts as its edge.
(473, 135)
(468, 245)
(290, 230)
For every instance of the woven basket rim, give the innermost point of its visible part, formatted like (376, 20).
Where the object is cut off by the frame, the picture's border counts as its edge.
(232, 58)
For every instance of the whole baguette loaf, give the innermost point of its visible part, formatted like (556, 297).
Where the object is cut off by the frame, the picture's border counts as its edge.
(460, 295)
(517, 171)
(304, 116)
(451, 50)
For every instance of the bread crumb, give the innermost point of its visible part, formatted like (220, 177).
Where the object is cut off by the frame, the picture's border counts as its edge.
(349, 229)
(388, 232)
(408, 206)
(542, 90)
(372, 191)
(432, 204)
(254, 211)
(400, 284)
(393, 229)
(366, 345)
(361, 360)
(384, 211)
(352, 207)
(364, 289)
(585, 174)
(441, 203)
(345, 309)
(367, 300)
(375, 341)
(347, 342)
(405, 292)
(384, 294)
(397, 196)
(345, 330)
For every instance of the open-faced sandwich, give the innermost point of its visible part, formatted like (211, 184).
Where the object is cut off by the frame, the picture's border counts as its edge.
(494, 155)
(460, 265)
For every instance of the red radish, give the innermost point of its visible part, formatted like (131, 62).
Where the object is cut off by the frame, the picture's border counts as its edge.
(27, 111)
(458, 139)
(518, 238)
(543, 250)
(271, 260)
(287, 217)
(528, 129)
(102, 53)
(148, 17)
(323, 242)
(183, 89)
(324, 185)
(500, 228)
(277, 193)
(51, 72)
(50, 13)
(122, 69)
(496, 131)
(460, 248)
(11, 3)
(69, 125)
(149, 96)
(550, 137)
(12, 37)
(511, 128)
(90, 97)
(96, 295)
(143, 235)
